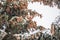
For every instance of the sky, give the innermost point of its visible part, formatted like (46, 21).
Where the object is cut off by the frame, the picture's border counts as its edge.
(49, 14)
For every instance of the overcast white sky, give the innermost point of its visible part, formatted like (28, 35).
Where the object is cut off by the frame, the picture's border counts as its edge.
(49, 14)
